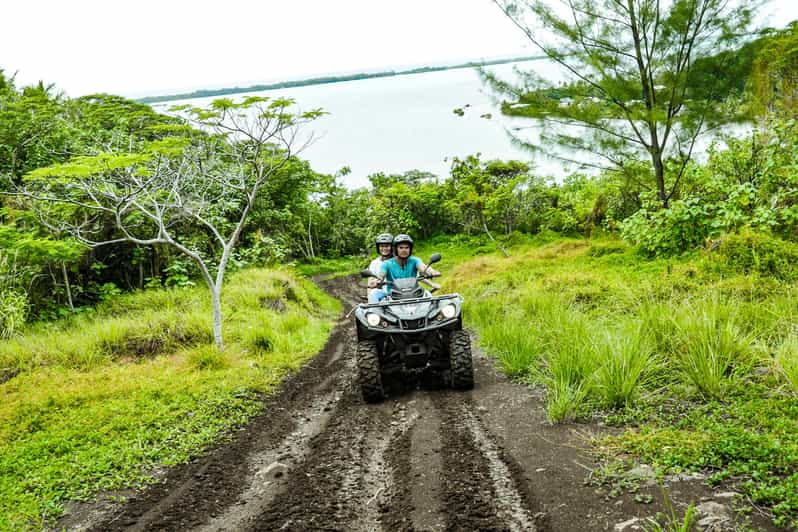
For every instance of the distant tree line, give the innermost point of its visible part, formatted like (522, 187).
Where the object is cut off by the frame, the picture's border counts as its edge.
(206, 93)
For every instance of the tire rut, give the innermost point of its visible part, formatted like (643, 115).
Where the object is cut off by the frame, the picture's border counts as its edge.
(318, 457)
(481, 493)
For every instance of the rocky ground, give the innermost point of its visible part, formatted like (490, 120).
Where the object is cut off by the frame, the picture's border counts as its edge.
(318, 457)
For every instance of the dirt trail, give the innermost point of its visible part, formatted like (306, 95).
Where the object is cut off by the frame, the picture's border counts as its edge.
(318, 457)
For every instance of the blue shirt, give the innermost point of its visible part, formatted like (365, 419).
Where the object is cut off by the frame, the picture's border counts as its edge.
(393, 270)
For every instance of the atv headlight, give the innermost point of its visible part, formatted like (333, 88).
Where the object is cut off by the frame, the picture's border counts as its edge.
(449, 311)
(372, 319)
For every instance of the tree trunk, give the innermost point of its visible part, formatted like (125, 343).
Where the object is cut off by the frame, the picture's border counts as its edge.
(659, 174)
(216, 303)
(66, 285)
(487, 232)
(310, 240)
(141, 274)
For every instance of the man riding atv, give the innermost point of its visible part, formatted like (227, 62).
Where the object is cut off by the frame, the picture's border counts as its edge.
(403, 265)
(410, 333)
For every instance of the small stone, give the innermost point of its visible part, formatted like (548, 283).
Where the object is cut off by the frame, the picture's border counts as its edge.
(631, 523)
(276, 470)
(540, 470)
(712, 513)
(642, 471)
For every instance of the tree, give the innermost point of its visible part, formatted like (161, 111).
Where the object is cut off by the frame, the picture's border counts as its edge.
(774, 76)
(482, 192)
(632, 89)
(193, 193)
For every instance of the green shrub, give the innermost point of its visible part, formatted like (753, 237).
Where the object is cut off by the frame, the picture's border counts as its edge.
(207, 357)
(599, 249)
(751, 252)
(684, 225)
(565, 400)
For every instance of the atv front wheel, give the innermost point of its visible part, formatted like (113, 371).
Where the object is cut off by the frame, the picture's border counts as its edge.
(368, 366)
(460, 359)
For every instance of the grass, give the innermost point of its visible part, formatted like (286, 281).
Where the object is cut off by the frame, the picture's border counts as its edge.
(699, 363)
(331, 268)
(786, 361)
(100, 401)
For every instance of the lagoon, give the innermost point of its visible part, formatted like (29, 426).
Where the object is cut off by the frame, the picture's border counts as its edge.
(400, 123)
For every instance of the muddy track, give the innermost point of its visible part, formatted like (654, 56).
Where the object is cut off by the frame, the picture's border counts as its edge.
(319, 458)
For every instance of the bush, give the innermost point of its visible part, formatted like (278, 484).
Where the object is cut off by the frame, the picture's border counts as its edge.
(599, 249)
(684, 225)
(626, 362)
(13, 300)
(207, 357)
(751, 252)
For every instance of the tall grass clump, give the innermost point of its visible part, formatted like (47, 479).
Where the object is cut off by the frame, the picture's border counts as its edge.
(13, 301)
(787, 361)
(207, 357)
(512, 329)
(711, 348)
(518, 353)
(626, 364)
(568, 363)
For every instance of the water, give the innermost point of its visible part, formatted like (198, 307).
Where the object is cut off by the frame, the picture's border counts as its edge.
(400, 123)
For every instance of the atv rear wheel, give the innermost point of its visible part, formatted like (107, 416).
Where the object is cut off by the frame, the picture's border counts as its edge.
(368, 366)
(462, 377)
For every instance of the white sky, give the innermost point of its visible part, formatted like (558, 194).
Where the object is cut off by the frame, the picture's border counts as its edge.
(146, 47)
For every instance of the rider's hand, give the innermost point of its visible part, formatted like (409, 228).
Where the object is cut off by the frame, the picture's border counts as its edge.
(372, 282)
(433, 273)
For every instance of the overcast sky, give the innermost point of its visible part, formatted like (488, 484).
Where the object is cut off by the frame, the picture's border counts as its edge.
(148, 47)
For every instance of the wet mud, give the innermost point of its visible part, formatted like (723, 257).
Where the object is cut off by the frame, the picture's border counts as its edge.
(319, 458)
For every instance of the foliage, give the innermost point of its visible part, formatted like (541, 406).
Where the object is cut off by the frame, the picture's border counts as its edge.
(172, 190)
(749, 252)
(676, 350)
(630, 90)
(100, 401)
(752, 183)
(682, 226)
(774, 74)
(710, 347)
(13, 301)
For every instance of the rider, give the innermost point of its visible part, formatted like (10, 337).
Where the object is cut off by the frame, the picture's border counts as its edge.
(384, 245)
(403, 264)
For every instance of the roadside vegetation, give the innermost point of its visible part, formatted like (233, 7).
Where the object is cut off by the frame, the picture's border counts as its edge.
(105, 399)
(657, 295)
(691, 355)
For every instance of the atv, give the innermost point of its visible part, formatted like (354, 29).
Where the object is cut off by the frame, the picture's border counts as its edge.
(412, 334)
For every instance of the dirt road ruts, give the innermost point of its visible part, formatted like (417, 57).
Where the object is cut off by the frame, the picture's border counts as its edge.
(319, 458)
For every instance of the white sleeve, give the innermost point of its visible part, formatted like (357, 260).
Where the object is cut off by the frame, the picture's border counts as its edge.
(375, 266)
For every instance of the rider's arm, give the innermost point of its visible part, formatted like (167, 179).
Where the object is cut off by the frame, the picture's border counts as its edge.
(375, 267)
(383, 271)
(429, 271)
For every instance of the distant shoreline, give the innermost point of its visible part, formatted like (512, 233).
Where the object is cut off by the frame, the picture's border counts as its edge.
(204, 93)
